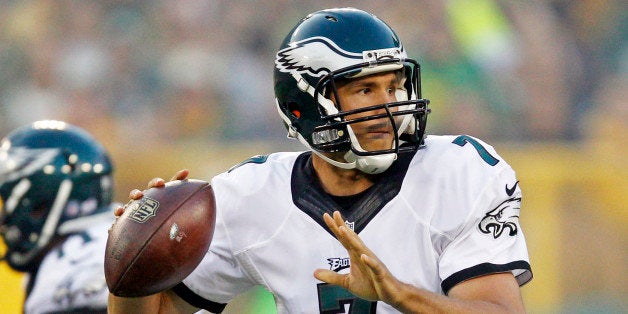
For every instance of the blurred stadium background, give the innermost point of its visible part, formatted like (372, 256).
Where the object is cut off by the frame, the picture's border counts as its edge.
(173, 84)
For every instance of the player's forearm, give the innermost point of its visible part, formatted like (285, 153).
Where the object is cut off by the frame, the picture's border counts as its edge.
(164, 302)
(416, 300)
(146, 305)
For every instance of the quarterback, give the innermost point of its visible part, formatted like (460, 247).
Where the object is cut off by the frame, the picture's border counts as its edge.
(375, 216)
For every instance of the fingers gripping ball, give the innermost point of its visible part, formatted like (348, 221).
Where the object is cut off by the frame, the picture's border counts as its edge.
(160, 238)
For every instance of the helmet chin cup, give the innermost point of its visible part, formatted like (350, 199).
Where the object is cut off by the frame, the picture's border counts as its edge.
(368, 164)
(371, 164)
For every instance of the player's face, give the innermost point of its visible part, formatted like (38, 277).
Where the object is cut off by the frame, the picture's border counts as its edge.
(368, 91)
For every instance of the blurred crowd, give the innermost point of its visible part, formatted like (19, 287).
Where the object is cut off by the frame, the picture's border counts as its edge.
(169, 70)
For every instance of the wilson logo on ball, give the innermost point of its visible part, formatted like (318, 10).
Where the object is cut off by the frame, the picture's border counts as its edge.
(144, 210)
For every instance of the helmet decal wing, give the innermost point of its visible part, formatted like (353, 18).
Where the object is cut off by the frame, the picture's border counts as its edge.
(23, 162)
(314, 56)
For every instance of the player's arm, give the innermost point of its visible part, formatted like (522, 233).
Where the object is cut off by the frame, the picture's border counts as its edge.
(163, 302)
(496, 293)
(370, 279)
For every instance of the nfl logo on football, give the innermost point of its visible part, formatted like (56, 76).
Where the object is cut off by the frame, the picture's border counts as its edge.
(142, 211)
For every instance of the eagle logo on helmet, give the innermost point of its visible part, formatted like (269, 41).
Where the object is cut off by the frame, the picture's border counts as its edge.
(313, 55)
(318, 56)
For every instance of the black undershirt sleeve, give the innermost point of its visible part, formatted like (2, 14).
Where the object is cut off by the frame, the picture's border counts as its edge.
(196, 300)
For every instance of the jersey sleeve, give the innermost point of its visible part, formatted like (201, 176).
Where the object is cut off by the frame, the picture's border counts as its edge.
(247, 216)
(220, 276)
(491, 239)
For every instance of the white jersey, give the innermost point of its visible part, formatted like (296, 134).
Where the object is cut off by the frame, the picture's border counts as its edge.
(438, 217)
(71, 278)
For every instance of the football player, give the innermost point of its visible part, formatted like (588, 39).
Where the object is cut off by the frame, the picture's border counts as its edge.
(375, 217)
(56, 190)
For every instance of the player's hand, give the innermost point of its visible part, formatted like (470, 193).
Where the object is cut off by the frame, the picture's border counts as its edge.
(368, 277)
(136, 194)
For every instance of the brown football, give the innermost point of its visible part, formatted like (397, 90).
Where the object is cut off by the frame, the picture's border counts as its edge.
(160, 238)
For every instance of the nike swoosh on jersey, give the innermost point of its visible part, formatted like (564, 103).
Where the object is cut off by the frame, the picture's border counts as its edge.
(511, 191)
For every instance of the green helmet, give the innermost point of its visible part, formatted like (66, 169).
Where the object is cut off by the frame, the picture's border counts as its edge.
(337, 44)
(54, 178)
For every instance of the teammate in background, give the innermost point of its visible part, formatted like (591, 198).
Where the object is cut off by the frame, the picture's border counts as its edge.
(374, 217)
(55, 209)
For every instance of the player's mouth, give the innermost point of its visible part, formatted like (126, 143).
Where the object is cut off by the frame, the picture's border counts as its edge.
(377, 131)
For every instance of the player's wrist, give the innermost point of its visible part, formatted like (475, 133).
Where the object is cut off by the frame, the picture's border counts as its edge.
(406, 297)
(148, 304)
(396, 293)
